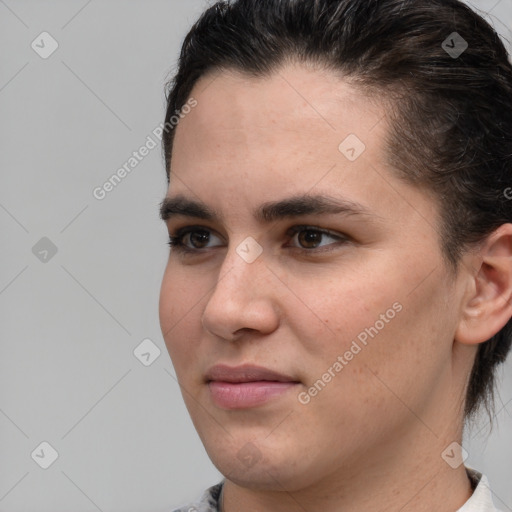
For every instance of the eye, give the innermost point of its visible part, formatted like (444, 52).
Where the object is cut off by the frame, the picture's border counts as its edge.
(310, 237)
(193, 238)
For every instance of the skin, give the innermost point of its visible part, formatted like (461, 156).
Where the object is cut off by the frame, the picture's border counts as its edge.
(372, 439)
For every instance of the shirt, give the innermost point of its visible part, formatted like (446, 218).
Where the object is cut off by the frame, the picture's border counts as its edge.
(480, 501)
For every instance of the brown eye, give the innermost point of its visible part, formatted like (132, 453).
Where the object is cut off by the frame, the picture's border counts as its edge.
(192, 239)
(198, 239)
(309, 239)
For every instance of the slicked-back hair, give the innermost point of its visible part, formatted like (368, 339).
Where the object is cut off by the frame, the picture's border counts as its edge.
(449, 114)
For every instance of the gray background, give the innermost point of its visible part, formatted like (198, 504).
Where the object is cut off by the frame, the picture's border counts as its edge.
(70, 321)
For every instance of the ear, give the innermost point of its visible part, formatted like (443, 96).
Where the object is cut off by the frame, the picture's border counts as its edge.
(487, 306)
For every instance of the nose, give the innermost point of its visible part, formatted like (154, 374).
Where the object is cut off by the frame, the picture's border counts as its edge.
(243, 299)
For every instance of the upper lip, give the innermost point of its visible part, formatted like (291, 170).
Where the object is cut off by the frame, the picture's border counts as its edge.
(245, 373)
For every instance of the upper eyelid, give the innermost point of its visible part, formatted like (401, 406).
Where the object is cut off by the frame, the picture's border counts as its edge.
(184, 230)
(294, 229)
(193, 227)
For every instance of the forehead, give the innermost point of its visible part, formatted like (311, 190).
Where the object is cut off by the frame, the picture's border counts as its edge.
(294, 90)
(297, 110)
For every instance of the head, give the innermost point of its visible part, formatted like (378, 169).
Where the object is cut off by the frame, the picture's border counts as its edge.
(370, 104)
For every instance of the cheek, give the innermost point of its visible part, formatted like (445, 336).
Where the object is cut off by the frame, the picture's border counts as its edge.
(167, 307)
(179, 312)
(371, 330)
(338, 311)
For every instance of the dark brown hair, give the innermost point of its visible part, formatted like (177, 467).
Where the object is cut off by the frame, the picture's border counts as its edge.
(450, 105)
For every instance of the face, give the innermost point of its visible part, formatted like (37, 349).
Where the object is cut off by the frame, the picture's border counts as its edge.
(299, 251)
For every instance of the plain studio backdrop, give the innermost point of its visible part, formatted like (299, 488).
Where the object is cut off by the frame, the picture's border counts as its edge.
(86, 385)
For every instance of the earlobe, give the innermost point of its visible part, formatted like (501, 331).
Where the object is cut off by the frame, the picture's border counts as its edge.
(488, 303)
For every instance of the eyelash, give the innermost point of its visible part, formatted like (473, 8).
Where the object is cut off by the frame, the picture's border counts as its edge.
(177, 244)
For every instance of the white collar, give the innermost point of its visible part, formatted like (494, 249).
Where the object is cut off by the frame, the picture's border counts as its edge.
(481, 500)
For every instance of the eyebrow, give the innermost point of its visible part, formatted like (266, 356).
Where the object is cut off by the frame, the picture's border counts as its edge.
(295, 206)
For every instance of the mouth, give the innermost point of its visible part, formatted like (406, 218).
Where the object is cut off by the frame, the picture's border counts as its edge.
(246, 386)
(245, 373)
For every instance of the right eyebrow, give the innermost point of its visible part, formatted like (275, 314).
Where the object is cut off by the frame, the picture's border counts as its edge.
(180, 205)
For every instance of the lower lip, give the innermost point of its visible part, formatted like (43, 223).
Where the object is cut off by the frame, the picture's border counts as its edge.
(239, 395)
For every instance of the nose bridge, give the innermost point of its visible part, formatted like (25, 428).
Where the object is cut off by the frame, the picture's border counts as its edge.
(242, 269)
(242, 296)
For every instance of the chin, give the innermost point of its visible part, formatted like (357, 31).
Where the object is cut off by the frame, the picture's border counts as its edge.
(264, 468)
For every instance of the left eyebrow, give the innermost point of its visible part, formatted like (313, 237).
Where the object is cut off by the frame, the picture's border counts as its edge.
(309, 205)
(295, 206)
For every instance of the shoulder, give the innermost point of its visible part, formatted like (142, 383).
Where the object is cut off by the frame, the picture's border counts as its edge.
(209, 501)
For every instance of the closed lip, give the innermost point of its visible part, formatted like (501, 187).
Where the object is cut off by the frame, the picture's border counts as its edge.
(245, 373)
